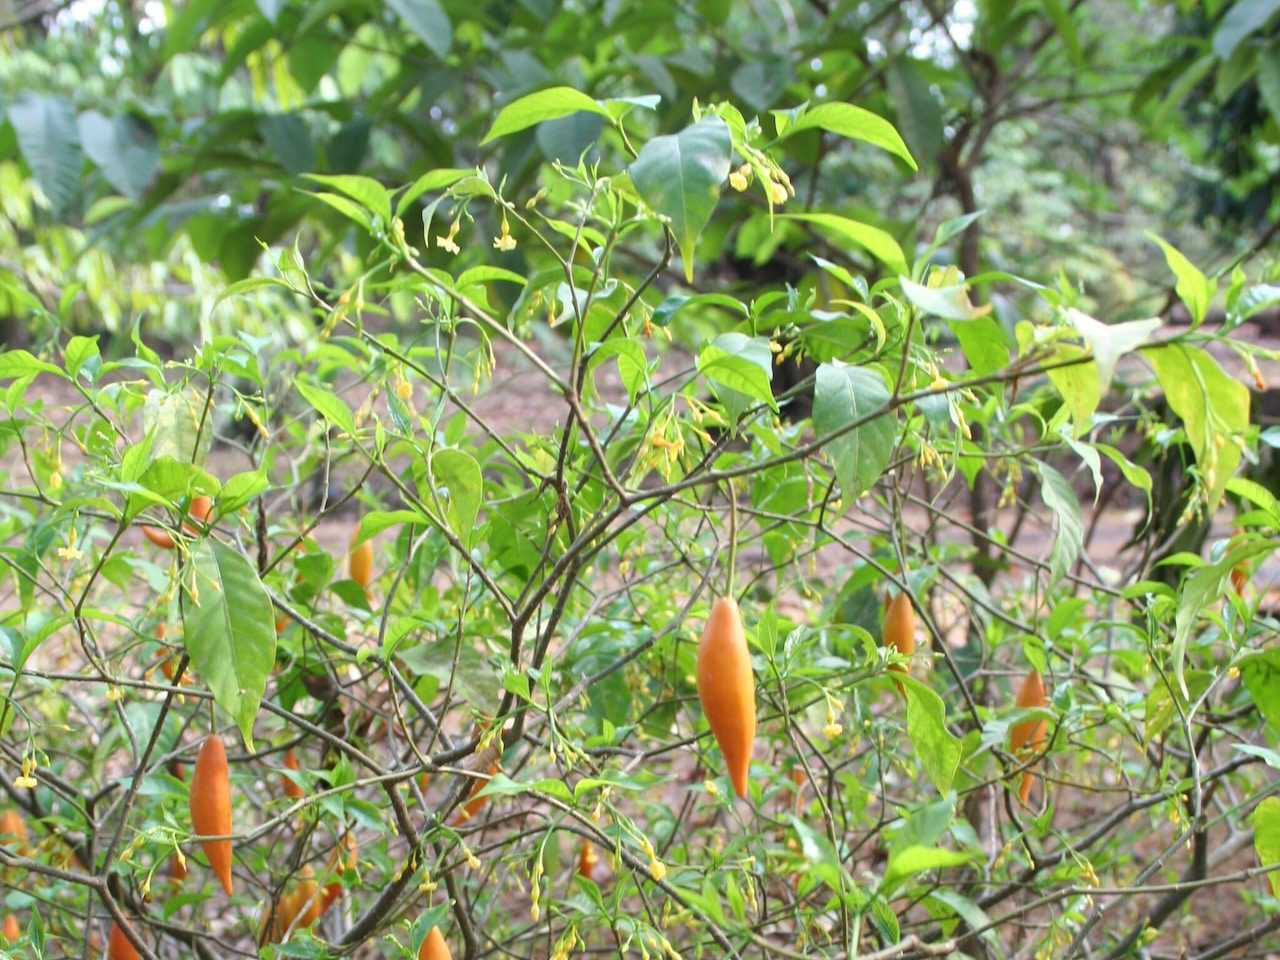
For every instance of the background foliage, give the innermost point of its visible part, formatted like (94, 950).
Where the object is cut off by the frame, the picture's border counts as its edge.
(586, 314)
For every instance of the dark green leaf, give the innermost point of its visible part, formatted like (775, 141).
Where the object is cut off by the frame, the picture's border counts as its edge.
(680, 177)
(49, 138)
(229, 630)
(844, 395)
(429, 22)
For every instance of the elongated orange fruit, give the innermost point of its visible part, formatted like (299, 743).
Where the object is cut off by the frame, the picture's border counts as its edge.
(434, 947)
(587, 860)
(727, 688)
(900, 633)
(1239, 577)
(333, 889)
(1029, 735)
(118, 945)
(200, 509)
(13, 831)
(472, 807)
(210, 800)
(360, 560)
(291, 789)
(12, 929)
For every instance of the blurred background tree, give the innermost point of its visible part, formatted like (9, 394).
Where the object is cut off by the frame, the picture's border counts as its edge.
(150, 152)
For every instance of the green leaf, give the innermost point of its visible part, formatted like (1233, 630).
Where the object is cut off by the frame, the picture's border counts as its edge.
(20, 363)
(666, 311)
(459, 474)
(367, 192)
(179, 426)
(1137, 476)
(846, 120)
(1261, 675)
(125, 149)
(535, 108)
(973, 915)
(918, 111)
(375, 521)
(875, 241)
(680, 177)
(429, 23)
(1266, 837)
(633, 368)
(1061, 499)
(78, 352)
(429, 182)
(917, 859)
(1060, 14)
(1193, 287)
(1214, 408)
(843, 395)
(1268, 78)
(1241, 20)
(1256, 494)
(1078, 384)
(249, 285)
(475, 680)
(983, 344)
(241, 489)
(229, 630)
(938, 749)
(350, 210)
(728, 362)
(50, 142)
(329, 406)
(1161, 704)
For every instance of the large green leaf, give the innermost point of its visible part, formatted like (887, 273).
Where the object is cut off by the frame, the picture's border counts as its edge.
(180, 426)
(328, 405)
(229, 630)
(680, 177)
(843, 395)
(365, 191)
(1065, 505)
(21, 363)
(1078, 384)
(937, 747)
(1261, 675)
(1214, 408)
(1266, 837)
(741, 369)
(463, 490)
(534, 108)
(428, 21)
(875, 241)
(917, 859)
(1193, 287)
(1242, 19)
(919, 112)
(126, 150)
(847, 120)
(50, 142)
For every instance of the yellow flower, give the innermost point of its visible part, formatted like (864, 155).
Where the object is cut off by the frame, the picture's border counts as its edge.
(70, 552)
(448, 242)
(738, 179)
(26, 781)
(777, 192)
(506, 242)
